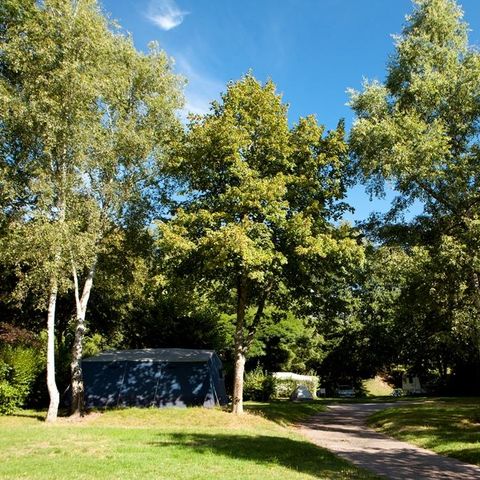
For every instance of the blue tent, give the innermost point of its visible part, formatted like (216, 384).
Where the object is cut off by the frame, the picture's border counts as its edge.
(157, 377)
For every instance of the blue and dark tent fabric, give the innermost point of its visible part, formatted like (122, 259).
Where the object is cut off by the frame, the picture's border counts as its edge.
(158, 377)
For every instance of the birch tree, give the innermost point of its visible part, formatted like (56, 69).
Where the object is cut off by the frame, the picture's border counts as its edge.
(47, 90)
(121, 173)
(83, 117)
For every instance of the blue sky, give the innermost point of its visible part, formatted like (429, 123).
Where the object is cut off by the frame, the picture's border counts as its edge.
(312, 49)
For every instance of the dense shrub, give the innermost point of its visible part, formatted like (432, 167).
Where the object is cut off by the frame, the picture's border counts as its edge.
(10, 398)
(19, 367)
(258, 385)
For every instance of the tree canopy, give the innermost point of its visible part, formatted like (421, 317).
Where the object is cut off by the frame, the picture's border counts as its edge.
(256, 204)
(85, 122)
(419, 130)
(129, 227)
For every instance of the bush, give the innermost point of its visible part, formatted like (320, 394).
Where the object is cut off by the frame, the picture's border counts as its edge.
(19, 367)
(258, 386)
(10, 398)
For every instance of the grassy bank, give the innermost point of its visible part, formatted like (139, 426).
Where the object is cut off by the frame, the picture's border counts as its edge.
(447, 426)
(164, 444)
(284, 412)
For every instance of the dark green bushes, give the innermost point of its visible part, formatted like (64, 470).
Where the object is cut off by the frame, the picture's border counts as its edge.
(20, 365)
(258, 386)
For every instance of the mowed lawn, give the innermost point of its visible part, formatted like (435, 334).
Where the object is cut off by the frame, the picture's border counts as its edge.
(144, 444)
(450, 426)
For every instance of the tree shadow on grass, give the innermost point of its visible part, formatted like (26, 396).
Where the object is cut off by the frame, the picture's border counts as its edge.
(39, 415)
(440, 427)
(300, 456)
(34, 416)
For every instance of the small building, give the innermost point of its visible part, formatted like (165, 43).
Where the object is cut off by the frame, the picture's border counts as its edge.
(154, 377)
(411, 385)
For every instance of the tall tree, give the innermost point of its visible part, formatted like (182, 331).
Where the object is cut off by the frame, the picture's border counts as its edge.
(119, 190)
(47, 89)
(420, 129)
(84, 116)
(256, 203)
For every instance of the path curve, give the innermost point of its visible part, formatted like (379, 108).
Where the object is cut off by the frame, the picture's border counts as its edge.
(342, 429)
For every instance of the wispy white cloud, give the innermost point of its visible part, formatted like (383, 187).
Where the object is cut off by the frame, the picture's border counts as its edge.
(165, 14)
(201, 88)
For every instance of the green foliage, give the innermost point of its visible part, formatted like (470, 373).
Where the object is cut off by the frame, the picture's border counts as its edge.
(11, 397)
(285, 342)
(419, 125)
(86, 119)
(19, 368)
(246, 178)
(419, 131)
(258, 386)
(254, 225)
(93, 344)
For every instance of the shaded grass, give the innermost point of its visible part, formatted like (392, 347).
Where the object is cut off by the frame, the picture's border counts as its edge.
(449, 426)
(164, 444)
(371, 399)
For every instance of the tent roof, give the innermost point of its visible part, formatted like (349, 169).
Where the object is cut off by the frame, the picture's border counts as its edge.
(293, 376)
(153, 354)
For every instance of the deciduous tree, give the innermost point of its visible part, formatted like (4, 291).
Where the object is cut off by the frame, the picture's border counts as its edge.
(84, 121)
(419, 131)
(256, 204)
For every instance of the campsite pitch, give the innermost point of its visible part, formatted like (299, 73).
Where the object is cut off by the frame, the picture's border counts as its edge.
(191, 443)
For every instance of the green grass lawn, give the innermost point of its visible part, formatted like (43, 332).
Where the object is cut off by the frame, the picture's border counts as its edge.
(447, 426)
(376, 387)
(168, 444)
(284, 412)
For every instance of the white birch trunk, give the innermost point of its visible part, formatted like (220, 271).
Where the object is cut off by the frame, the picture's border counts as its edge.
(81, 303)
(51, 384)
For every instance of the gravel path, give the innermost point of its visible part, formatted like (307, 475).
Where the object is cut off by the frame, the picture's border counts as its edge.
(342, 430)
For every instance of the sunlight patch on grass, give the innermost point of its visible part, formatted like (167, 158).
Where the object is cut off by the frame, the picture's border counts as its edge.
(377, 387)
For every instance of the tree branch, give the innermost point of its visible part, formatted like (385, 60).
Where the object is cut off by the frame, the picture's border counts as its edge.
(258, 316)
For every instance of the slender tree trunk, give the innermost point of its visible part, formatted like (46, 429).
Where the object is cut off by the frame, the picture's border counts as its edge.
(52, 303)
(51, 384)
(81, 303)
(239, 347)
(476, 298)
